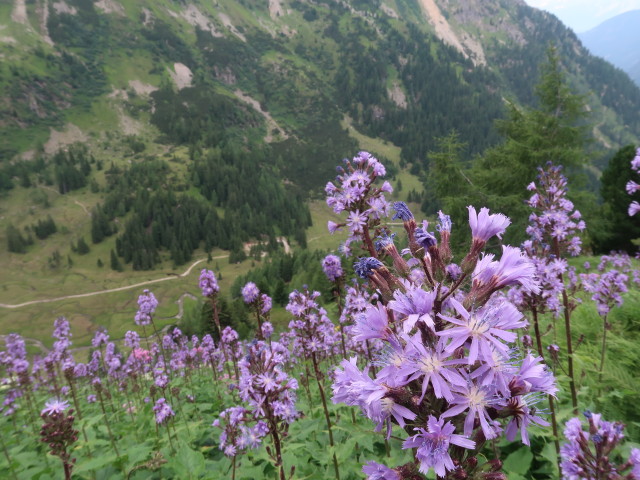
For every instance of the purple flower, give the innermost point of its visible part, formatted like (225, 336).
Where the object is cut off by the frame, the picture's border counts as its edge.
(476, 399)
(523, 416)
(373, 323)
(589, 454)
(632, 187)
(402, 212)
(54, 407)
(433, 445)
(416, 305)
(208, 283)
(332, 267)
(432, 366)
(486, 329)
(101, 337)
(250, 292)
(485, 226)
(267, 329)
(376, 471)
(265, 304)
(163, 411)
(634, 208)
(425, 239)
(356, 221)
(147, 304)
(365, 266)
(513, 268)
(333, 226)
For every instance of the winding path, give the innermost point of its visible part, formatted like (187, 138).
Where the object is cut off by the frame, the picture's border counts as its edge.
(41, 346)
(110, 290)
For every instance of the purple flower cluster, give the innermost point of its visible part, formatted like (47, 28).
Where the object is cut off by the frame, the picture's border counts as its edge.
(311, 329)
(590, 453)
(332, 268)
(555, 223)
(250, 292)
(163, 411)
(632, 187)
(553, 230)
(237, 433)
(147, 305)
(354, 192)
(269, 396)
(449, 370)
(607, 288)
(208, 283)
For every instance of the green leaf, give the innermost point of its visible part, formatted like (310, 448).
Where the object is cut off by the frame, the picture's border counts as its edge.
(187, 463)
(94, 463)
(518, 462)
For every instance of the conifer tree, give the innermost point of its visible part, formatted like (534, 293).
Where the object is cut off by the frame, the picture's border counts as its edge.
(115, 262)
(16, 243)
(553, 131)
(82, 248)
(614, 229)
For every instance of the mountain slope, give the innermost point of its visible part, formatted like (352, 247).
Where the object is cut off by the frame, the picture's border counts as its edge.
(241, 109)
(283, 66)
(616, 40)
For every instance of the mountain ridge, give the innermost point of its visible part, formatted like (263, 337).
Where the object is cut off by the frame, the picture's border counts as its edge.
(616, 41)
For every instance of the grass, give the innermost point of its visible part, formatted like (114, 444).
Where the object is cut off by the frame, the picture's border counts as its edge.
(112, 310)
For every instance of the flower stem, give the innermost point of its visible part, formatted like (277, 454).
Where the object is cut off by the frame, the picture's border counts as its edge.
(326, 412)
(603, 352)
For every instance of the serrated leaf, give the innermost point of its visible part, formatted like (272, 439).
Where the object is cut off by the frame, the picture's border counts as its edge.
(518, 462)
(187, 463)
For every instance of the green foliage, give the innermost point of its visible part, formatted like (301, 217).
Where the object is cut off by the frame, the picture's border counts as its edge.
(82, 247)
(615, 229)
(552, 132)
(115, 262)
(44, 228)
(16, 243)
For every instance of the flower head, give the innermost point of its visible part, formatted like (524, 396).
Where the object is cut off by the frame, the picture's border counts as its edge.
(250, 292)
(484, 226)
(54, 407)
(433, 445)
(208, 283)
(147, 304)
(332, 267)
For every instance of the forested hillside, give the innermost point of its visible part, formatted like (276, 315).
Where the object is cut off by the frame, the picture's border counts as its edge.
(156, 116)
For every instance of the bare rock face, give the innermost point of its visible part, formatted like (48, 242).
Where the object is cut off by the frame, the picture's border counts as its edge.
(181, 75)
(466, 24)
(110, 6)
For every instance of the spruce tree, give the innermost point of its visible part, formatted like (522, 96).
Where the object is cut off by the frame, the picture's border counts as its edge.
(115, 262)
(555, 131)
(15, 241)
(82, 248)
(614, 229)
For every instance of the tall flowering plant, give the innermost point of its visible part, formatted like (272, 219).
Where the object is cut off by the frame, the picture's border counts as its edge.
(450, 374)
(554, 231)
(314, 336)
(591, 453)
(632, 187)
(356, 193)
(260, 304)
(606, 287)
(269, 397)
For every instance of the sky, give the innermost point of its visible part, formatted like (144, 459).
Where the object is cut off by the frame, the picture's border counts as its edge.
(583, 15)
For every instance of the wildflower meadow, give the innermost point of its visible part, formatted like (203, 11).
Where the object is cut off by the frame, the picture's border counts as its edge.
(432, 361)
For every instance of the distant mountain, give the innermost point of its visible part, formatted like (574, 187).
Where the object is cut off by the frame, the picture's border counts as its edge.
(285, 73)
(617, 40)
